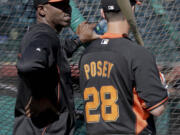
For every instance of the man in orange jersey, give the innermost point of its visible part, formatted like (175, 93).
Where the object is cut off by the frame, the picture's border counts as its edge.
(120, 81)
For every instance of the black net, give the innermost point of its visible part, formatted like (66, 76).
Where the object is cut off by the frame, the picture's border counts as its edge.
(159, 25)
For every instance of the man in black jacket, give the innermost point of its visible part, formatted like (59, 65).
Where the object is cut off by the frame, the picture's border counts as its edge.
(45, 98)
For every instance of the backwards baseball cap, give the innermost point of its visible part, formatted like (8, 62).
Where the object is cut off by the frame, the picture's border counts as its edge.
(112, 5)
(42, 2)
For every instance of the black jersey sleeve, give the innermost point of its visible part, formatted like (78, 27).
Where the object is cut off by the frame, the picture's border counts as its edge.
(36, 65)
(37, 56)
(147, 80)
(69, 45)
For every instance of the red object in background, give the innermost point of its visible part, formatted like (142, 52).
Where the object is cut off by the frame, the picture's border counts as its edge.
(8, 71)
(75, 73)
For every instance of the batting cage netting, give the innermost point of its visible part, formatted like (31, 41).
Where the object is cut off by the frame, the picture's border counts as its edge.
(158, 22)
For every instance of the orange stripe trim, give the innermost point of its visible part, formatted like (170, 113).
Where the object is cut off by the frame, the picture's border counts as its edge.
(162, 79)
(141, 114)
(111, 35)
(151, 108)
(58, 84)
(44, 131)
(55, 0)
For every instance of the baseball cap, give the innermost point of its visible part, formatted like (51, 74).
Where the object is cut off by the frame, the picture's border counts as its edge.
(112, 5)
(42, 2)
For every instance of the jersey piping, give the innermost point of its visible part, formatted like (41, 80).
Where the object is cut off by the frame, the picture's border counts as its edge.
(160, 103)
(112, 35)
(58, 84)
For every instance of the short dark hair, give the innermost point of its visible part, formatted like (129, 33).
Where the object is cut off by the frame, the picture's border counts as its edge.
(112, 16)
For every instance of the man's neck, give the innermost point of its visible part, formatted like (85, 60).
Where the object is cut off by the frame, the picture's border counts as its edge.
(118, 27)
(58, 29)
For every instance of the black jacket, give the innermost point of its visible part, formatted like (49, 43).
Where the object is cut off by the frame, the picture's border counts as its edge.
(43, 69)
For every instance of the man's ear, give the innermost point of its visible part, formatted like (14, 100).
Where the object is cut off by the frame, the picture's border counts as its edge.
(102, 13)
(41, 11)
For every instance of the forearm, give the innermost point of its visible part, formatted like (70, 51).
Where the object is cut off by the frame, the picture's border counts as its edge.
(159, 110)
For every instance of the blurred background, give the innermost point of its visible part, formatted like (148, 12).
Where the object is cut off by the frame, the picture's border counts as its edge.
(159, 25)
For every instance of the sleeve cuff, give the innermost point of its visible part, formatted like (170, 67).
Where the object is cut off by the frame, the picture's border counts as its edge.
(158, 104)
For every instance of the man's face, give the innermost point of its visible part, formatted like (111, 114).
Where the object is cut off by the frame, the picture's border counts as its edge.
(59, 13)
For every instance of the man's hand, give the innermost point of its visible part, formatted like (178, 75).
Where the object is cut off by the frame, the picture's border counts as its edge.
(37, 106)
(86, 33)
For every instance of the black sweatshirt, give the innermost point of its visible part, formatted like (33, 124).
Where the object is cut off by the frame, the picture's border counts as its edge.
(43, 69)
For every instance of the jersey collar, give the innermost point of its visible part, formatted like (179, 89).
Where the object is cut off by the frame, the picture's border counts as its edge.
(113, 35)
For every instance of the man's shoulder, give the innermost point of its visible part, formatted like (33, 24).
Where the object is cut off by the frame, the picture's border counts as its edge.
(37, 36)
(122, 45)
(42, 38)
(141, 50)
(40, 34)
(93, 44)
(41, 29)
(134, 47)
(117, 43)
